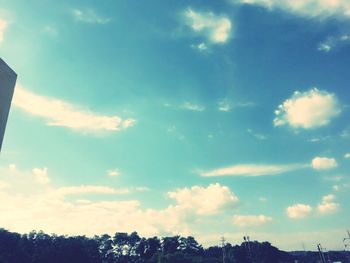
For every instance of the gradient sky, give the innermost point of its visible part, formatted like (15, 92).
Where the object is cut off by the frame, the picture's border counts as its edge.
(203, 118)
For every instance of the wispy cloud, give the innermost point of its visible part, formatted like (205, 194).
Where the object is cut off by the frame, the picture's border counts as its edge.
(3, 27)
(251, 170)
(333, 42)
(113, 173)
(200, 47)
(307, 8)
(60, 113)
(192, 106)
(89, 16)
(215, 28)
(50, 30)
(309, 109)
(89, 189)
(251, 220)
(259, 136)
(226, 105)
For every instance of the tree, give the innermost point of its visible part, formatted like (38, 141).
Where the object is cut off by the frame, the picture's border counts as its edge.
(170, 244)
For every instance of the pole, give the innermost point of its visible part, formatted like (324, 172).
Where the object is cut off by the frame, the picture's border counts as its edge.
(223, 244)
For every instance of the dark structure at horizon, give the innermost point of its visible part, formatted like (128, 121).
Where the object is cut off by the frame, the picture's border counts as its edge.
(7, 86)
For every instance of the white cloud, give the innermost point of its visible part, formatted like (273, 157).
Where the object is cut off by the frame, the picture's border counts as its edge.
(263, 199)
(204, 201)
(3, 27)
(89, 16)
(50, 30)
(252, 170)
(328, 205)
(4, 185)
(307, 8)
(61, 113)
(62, 210)
(200, 47)
(89, 189)
(224, 105)
(298, 211)
(323, 163)
(41, 175)
(347, 156)
(113, 173)
(192, 106)
(215, 28)
(251, 220)
(310, 109)
(12, 167)
(259, 136)
(333, 42)
(336, 187)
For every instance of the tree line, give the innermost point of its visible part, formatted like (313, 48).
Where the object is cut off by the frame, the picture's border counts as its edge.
(39, 247)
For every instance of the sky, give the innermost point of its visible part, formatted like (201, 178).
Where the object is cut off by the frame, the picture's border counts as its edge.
(203, 118)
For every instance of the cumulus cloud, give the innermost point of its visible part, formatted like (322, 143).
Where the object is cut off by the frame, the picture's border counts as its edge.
(323, 163)
(250, 220)
(60, 113)
(89, 16)
(309, 109)
(298, 211)
(62, 210)
(328, 205)
(307, 8)
(205, 200)
(3, 26)
(252, 170)
(215, 28)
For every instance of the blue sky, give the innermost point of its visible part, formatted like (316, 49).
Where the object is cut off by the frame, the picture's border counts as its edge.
(203, 118)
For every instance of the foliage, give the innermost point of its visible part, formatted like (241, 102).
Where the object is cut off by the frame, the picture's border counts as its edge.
(38, 247)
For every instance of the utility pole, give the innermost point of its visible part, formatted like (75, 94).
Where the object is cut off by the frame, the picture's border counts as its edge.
(248, 248)
(223, 245)
(321, 254)
(346, 242)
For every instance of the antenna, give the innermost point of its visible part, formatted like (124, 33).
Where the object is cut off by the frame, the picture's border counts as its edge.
(223, 245)
(247, 247)
(346, 240)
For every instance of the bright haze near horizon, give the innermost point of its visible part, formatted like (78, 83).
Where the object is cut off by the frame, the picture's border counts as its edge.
(203, 118)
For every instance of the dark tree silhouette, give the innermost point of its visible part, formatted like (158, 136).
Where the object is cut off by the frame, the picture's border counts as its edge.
(38, 247)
